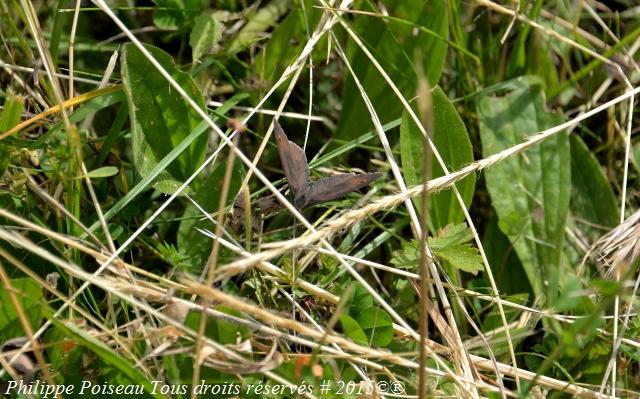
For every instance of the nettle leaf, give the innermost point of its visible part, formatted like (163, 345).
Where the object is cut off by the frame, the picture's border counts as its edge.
(449, 245)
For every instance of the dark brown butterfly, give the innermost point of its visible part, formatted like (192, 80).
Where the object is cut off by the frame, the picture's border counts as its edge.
(296, 168)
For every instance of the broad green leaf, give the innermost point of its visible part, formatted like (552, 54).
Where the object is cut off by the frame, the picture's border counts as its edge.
(190, 240)
(258, 24)
(160, 118)
(592, 198)
(105, 171)
(530, 191)
(377, 325)
(9, 117)
(394, 45)
(11, 111)
(505, 264)
(360, 299)
(352, 329)
(452, 141)
(29, 294)
(142, 185)
(286, 42)
(205, 35)
(176, 14)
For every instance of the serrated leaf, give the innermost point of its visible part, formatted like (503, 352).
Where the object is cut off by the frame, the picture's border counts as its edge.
(408, 257)
(464, 257)
(450, 245)
(450, 235)
(205, 34)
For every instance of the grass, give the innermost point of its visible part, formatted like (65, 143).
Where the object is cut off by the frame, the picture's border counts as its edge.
(496, 257)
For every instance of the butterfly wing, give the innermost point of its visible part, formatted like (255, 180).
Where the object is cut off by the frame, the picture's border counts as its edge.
(334, 187)
(293, 160)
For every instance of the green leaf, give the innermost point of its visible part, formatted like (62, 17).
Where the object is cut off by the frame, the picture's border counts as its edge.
(105, 171)
(29, 294)
(377, 325)
(285, 44)
(205, 35)
(394, 45)
(452, 141)
(352, 329)
(10, 116)
(11, 111)
(592, 198)
(450, 236)
(142, 185)
(450, 245)
(190, 240)
(258, 24)
(530, 192)
(160, 118)
(359, 300)
(408, 257)
(176, 14)
(505, 264)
